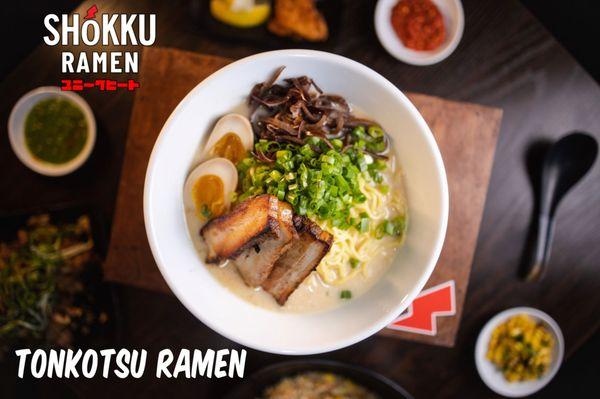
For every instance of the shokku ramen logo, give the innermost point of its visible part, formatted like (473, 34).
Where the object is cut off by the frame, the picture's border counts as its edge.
(100, 30)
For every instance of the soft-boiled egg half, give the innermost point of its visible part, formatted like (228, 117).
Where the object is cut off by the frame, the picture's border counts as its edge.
(231, 138)
(209, 188)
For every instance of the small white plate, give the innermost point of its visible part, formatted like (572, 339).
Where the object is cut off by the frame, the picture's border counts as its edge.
(493, 377)
(16, 131)
(454, 21)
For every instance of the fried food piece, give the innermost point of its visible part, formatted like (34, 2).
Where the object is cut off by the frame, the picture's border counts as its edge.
(299, 19)
(299, 260)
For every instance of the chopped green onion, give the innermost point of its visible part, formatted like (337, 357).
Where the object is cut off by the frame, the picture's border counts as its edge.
(388, 228)
(205, 211)
(283, 154)
(377, 177)
(280, 195)
(275, 175)
(359, 132)
(291, 198)
(395, 227)
(363, 225)
(375, 131)
(379, 232)
(346, 294)
(377, 145)
(337, 144)
(316, 180)
(290, 176)
(354, 263)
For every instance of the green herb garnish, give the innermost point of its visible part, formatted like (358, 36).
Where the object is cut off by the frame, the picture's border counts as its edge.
(346, 294)
(354, 263)
(205, 211)
(395, 227)
(318, 181)
(363, 223)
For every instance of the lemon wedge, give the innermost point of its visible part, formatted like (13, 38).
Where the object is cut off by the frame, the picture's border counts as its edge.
(246, 15)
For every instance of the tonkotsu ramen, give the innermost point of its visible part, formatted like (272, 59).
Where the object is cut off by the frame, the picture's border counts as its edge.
(299, 205)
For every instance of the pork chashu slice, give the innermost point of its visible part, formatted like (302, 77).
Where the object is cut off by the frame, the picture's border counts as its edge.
(299, 260)
(253, 234)
(256, 262)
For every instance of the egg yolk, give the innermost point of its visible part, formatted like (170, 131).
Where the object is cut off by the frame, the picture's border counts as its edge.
(230, 146)
(209, 197)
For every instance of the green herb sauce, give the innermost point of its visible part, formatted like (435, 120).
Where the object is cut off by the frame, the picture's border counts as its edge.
(55, 130)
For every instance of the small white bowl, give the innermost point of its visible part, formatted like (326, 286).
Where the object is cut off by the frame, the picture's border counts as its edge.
(184, 270)
(454, 21)
(16, 131)
(493, 377)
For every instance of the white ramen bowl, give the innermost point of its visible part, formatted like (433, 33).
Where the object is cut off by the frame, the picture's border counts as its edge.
(185, 133)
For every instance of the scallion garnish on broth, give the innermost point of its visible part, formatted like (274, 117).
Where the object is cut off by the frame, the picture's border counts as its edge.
(316, 180)
(346, 294)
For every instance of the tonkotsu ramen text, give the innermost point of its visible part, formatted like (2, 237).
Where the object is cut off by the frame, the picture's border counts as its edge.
(124, 363)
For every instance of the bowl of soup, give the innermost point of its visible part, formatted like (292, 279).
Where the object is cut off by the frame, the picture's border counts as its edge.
(296, 202)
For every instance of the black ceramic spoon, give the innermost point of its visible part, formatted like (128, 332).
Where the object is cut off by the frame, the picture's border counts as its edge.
(567, 161)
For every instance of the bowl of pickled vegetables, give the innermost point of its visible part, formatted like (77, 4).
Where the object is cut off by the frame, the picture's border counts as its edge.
(519, 351)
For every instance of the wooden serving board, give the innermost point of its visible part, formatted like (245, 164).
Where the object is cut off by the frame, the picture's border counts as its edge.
(465, 133)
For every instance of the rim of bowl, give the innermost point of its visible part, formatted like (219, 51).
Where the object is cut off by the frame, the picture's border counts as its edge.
(17, 117)
(435, 56)
(391, 314)
(484, 337)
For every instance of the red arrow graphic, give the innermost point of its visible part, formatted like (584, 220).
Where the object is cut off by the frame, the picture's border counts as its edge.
(91, 12)
(427, 306)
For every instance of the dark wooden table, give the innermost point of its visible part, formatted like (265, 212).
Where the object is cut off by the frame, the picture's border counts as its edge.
(506, 59)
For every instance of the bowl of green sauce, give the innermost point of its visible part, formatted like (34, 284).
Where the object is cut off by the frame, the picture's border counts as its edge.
(52, 131)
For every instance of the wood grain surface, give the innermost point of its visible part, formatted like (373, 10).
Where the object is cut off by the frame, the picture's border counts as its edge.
(505, 59)
(466, 135)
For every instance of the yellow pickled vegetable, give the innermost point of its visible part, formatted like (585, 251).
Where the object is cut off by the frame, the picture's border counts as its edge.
(521, 348)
